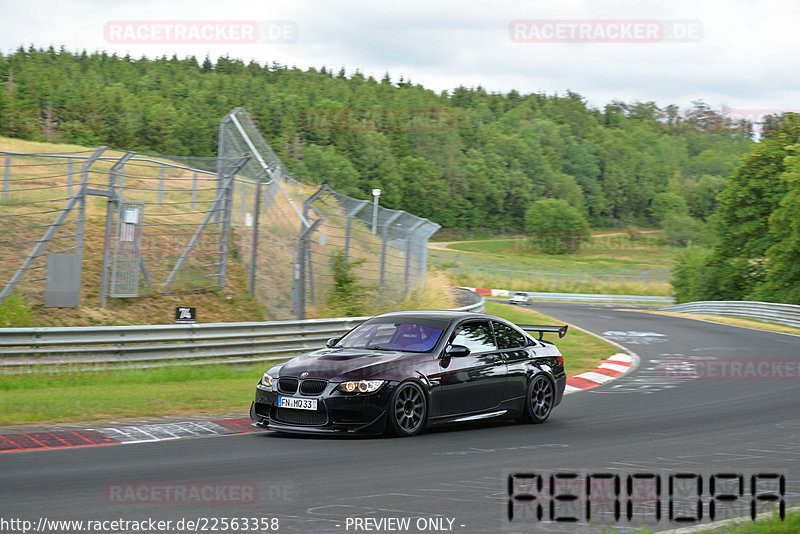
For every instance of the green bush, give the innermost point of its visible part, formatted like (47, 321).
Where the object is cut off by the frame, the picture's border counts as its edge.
(348, 296)
(682, 230)
(665, 204)
(556, 227)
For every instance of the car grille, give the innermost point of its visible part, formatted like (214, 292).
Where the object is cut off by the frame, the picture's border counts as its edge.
(299, 417)
(312, 387)
(287, 385)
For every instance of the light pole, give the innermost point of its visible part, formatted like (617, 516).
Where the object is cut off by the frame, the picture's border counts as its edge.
(376, 193)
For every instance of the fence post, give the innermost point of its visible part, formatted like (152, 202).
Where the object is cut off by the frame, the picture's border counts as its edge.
(349, 230)
(70, 171)
(111, 208)
(299, 271)
(194, 190)
(7, 177)
(409, 241)
(244, 198)
(121, 179)
(161, 185)
(384, 244)
(254, 246)
(226, 221)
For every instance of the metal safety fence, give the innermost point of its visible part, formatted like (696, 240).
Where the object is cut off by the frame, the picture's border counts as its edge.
(289, 233)
(159, 224)
(122, 224)
(788, 314)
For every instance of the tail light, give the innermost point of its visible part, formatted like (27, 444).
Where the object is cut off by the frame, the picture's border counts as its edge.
(560, 360)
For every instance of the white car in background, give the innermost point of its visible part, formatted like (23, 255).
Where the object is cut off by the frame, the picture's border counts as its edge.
(519, 298)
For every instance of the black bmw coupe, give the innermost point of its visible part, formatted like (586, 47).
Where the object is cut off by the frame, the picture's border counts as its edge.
(401, 372)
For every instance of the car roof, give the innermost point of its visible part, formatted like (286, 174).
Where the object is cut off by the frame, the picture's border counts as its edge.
(440, 314)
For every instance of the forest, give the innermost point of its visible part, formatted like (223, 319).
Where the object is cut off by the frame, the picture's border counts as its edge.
(465, 158)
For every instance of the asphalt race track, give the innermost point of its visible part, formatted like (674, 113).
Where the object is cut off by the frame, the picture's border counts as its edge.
(647, 422)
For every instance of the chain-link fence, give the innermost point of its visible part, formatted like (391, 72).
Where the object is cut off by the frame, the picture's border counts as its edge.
(289, 234)
(125, 224)
(120, 224)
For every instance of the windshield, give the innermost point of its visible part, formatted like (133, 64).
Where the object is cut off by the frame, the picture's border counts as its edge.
(410, 336)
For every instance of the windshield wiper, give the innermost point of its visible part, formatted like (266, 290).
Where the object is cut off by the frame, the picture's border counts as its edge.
(376, 347)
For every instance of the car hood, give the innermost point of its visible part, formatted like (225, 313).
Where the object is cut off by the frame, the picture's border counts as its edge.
(345, 364)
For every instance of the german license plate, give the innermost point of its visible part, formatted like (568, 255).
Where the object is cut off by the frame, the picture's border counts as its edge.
(297, 404)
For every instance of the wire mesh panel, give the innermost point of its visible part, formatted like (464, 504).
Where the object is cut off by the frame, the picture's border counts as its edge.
(41, 207)
(158, 224)
(179, 242)
(127, 250)
(181, 237)
(289, 233)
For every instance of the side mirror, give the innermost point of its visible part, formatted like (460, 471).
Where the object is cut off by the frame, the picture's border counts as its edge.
(332, 341)
(456, 351)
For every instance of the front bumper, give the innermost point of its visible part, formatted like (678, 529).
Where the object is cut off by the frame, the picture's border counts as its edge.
(337, 413)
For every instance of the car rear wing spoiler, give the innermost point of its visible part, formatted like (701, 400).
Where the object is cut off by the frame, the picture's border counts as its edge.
(562, 330)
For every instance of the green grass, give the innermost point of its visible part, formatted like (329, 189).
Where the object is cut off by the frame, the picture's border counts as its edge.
(63, 395)
(606, 264)
(769, 525)
(582, 352)
(16, 312)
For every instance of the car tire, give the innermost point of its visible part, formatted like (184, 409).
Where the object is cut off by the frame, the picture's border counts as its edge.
(539, 401)
(408, 410)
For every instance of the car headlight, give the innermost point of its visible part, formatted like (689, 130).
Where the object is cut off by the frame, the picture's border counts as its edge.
(266, 380)
(360, 386)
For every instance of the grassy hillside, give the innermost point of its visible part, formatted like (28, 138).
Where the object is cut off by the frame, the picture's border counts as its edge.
(610, 262)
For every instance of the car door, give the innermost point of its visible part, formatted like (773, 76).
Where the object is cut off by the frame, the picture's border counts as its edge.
(475, 382)
(516, 350)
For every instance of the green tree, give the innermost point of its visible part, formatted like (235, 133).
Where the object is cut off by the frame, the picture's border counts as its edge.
(681, 230)
(690, 275)
(783, 268)
(665, 204)
(323, 164)
(556, 226)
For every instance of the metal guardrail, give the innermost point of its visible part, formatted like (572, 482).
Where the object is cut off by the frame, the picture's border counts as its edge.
(159, 345)
(585, 297)
(588, 297)
(787, 314)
